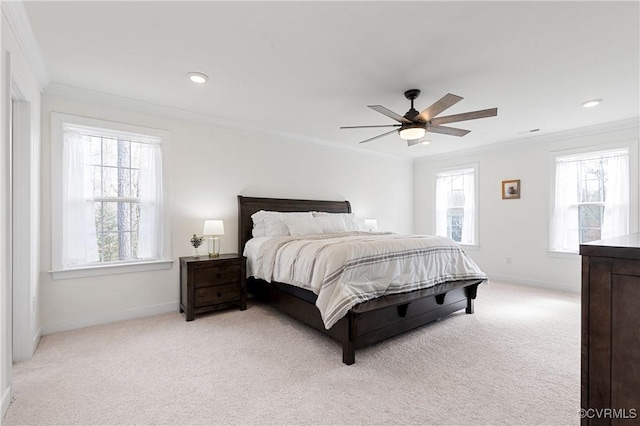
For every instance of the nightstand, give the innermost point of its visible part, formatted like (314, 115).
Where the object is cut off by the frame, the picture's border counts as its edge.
(211, 283)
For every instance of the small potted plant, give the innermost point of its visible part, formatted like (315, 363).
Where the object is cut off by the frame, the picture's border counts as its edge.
(196, 242)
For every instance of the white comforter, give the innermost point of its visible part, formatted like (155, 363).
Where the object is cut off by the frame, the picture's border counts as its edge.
(352, 267)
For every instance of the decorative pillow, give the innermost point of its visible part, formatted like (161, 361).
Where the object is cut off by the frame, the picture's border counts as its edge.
(360, 224)
(274, 226)
(330, 224)
(302, 225)
(272, 223)
(348, 219)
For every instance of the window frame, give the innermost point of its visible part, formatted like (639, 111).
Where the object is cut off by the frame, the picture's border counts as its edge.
(58, 271)
(476, 198)
(634, 186)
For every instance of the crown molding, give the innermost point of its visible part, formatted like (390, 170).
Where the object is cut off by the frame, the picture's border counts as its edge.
(20, 26)
(134, 105)
(143, 107)
(629, 123)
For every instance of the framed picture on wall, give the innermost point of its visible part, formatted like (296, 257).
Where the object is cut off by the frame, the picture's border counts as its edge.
(510, 189)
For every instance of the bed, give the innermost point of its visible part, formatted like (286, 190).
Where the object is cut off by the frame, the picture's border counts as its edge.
(368, 322)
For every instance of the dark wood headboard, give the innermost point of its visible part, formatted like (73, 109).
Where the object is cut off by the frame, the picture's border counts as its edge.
(249, 205)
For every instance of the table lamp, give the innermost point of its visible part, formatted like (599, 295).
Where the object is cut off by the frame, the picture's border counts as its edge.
(212, 229)
(371, 224)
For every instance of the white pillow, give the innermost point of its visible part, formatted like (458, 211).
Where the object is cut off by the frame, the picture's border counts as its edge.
(302, 225)
(360, 224)
(258, 224)
(349, 219)
(331, 224)
(275, 227)
(273, 222)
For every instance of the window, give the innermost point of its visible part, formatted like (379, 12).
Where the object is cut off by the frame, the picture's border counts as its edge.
(591, 199)
(109, 199)
(456, 205)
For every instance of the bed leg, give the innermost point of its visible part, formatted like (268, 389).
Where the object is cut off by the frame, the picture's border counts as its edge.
(471, 293)
(348, 341)
(348, 353)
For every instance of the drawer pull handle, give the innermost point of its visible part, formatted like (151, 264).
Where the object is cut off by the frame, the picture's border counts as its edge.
(219, 294)
(218, 275)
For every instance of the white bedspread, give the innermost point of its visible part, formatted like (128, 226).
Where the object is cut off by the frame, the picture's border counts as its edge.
(352, 267)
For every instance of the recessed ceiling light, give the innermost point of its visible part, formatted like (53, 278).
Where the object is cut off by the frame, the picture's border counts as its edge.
(591, 103)
(425, 142)
(197, 77)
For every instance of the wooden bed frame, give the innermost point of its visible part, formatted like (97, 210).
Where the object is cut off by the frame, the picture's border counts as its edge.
(369, 322)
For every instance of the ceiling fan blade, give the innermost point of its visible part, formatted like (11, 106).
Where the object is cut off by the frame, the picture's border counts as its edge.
(452, 131)
(491, 112)
(389, 113)
(379, 136)
(412, 142)
(365, 127)
(440, 105)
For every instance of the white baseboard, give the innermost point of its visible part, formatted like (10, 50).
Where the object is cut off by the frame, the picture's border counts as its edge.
(6, 401)
(74, 324)
(535, 283)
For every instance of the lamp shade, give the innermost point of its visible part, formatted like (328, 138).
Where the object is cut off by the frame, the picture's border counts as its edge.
(371, 224)
(213, 227)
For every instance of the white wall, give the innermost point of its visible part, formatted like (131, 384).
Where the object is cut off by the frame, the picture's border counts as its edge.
(20, 258)
(517, 229)
(209, 167)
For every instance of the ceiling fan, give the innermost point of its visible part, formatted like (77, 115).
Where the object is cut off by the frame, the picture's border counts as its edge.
(414, 125)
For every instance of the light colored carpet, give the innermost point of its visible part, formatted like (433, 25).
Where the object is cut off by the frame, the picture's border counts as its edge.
(515, 361)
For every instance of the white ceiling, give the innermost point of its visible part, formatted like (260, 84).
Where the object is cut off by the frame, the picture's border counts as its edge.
(307, 68)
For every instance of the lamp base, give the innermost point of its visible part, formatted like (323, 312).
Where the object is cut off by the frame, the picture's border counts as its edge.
(213, 244)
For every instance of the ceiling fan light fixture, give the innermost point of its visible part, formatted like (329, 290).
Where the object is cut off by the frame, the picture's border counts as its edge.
(414, 125)
(412, 132)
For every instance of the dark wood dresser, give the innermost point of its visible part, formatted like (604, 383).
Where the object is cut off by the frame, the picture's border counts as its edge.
(611, 331)
(210, 283)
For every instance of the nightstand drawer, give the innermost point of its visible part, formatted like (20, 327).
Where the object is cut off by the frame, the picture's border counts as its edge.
(207, 277)
(217, 294)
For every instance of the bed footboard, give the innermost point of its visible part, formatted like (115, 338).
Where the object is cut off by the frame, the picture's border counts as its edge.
(378, 319)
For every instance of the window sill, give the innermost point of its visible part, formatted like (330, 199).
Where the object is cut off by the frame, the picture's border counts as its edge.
(563, 254)
(470, 247)
(96, 271)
